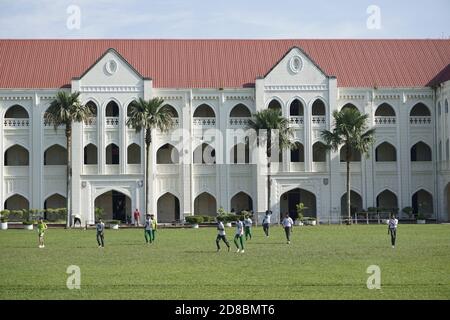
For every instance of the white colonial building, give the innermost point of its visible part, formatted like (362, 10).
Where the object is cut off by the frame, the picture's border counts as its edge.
(213, 87)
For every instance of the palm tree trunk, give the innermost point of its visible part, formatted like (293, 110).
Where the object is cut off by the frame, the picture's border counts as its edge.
(348, 156)
(268, 182)
(148, 141)
(69, 173)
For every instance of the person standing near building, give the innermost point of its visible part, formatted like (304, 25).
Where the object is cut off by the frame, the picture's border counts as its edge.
(154, 224)
(148, 228)
(239, 236)
(100, 233)
(42, 226)
(287, 223)
(392, 229)
(137, 218)
(221, 235)
(266, 222)
(248, 227)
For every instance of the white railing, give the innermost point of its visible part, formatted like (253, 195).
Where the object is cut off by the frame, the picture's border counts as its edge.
(297, 166)
(91, 122)
(168, 168)
(90, 169)
(239, 122)
(55, 170)
(134, 168)
(204, 169)
(204, 122)
(318, 121)
(385, 166)
(241, 169)
(16, 171)
(16, 123)
(319, 167)
(421, 166)
(112, 169)
(385, 120)
(296, 120)
(420, 120)
(354, 166)
(112, 122)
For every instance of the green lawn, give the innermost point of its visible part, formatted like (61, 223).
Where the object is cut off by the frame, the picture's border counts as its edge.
(323, 262)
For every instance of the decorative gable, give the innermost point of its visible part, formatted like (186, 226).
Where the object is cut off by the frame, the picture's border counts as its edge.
(111, 70)
(295, 68)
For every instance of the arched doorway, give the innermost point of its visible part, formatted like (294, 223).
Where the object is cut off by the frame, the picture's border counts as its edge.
(241, 201)
(168, 208)
(290, 199)
(116, 205)
(422, 202)
(205, 204)
(355, 203)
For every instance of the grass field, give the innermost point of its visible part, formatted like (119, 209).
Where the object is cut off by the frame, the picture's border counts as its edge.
(323, 262)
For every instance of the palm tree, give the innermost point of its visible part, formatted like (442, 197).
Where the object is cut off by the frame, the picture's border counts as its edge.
(148, 115)
(65, 110)
(350, 131)
(269, 120)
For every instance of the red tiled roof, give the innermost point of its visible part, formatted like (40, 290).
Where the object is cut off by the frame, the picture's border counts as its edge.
(226, 63)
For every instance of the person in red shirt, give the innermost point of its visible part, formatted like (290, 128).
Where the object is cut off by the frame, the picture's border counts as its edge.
(137, 218)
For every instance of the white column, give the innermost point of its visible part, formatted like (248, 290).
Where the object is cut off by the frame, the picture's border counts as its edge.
(335, 181)
(36, 161)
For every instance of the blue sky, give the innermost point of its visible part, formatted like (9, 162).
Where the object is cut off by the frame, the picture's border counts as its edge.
(248, 19)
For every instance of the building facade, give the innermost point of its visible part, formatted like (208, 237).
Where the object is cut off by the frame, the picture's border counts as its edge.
(207, 160)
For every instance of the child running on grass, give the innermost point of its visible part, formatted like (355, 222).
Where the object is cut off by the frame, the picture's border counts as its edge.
(239, 235)
(248, 228)
(148, 229)
(288, 223)
(392, 229)
(221, 235)
(100, 233)
(41, 230)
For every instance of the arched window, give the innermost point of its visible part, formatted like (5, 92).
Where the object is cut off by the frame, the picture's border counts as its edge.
(422, 202)
(274, 104)
(420, 110)
(134, 154)
(385, 152)
(349, 106)
(240, 111)
(167, 154)
(298, 153)
(112, 109)
(112, 154)
(319, 152)
(385, 110)
(204, 154)
(168, 108)
(296, 108)
(204, 111)
(240, 153)
(420, 152)
(16, 155)
(318, 108)
(55, 156)
(387, 200)
(16, 112)
(205, 204)
(90, 154)
(355, 156)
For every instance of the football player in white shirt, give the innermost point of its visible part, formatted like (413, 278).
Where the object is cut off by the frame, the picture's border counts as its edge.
(221, 235)
(248, 228)
(392, 229)
(266, 222)
(287, 224)
(239, 235)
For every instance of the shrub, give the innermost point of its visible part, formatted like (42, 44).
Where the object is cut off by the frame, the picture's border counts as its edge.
(420, 216)
(408, 211)
(113, 222)
(99, 213)
(28, 222)
(194, 219)
(5, 215)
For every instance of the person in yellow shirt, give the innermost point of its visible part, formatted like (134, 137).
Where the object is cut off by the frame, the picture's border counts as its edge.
(41, 226)
(154, 225)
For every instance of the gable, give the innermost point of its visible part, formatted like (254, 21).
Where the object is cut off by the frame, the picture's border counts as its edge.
(111, 69)
(295, 67)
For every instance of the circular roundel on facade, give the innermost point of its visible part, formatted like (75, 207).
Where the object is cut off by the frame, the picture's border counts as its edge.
(296, 64)
(111, 67)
